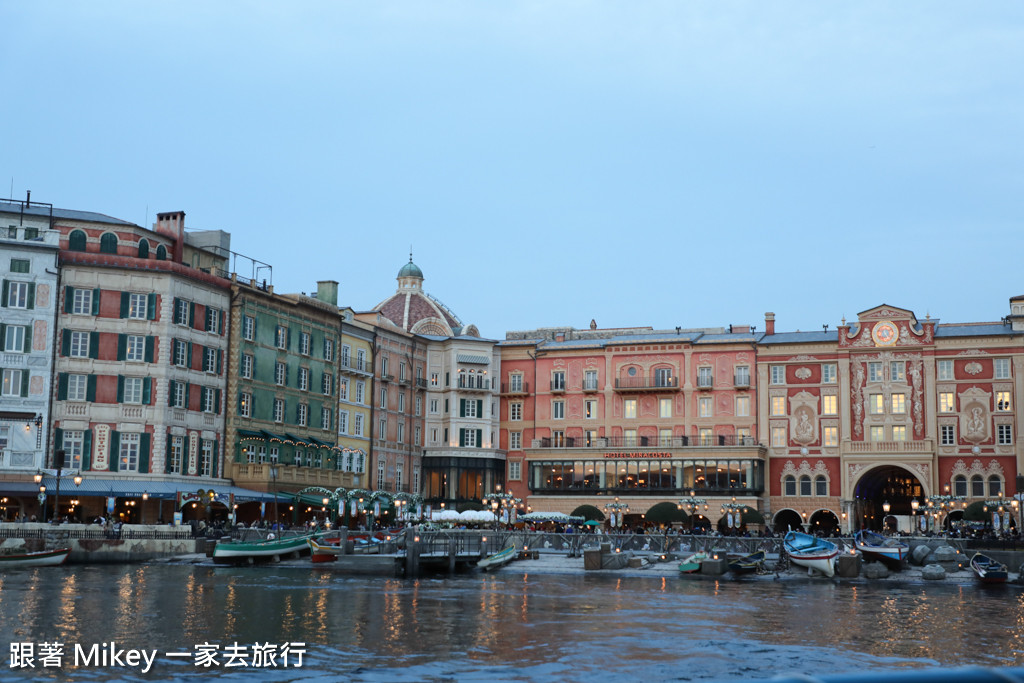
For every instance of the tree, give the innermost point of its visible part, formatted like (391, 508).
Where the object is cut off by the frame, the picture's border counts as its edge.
(588, 512)
(665, 513)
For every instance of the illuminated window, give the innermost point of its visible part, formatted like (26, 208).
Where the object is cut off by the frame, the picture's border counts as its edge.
(778, 405)
(899, 433)
(876, 404)
(946, 404)
(878, 433)
(945, 369)
(665, 407)
(629, 408)
(899, 404)
(830, 436)
(829, 405)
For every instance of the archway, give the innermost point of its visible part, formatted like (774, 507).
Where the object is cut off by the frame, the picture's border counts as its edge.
(787, 520)
(885, 484)
(824, 522)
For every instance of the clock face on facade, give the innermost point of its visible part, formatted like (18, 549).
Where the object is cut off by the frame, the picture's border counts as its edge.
(885, 333)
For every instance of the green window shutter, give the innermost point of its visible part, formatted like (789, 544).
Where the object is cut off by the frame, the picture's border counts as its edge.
(188, 361)
(446, 406)
(188, 395)
(26, 340)
(65, 342)
(90, 389)
(216, 401)
(96, 301)
(115, 450)
(174, 310)
(62, 386)
(145, 439)
(215, 468)
(191, 313)
(31, 295)
(147, 390)
(220, 360)
(170, 392)
(120, 388)
(3, 294)
(288, 339)
(69, 299)
(150, 348)
(151, 306)
(206, 320)
(3, 334)
(479, 408)
(462, 437)
(58, 439)
(86, 449)
(122, 345)
(167, 456)
(124, 304)
(240, 401)
(479, 438)
(94, 345)
(24, 383)
(462, 407)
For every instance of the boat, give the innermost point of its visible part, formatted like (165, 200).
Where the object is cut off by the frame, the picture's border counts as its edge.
(503, 556)
(324, 552)
(748, 564)
(241, 551)
(812, 552)
(888, 551)
(41, 558)
(691, 564)
(988, 570)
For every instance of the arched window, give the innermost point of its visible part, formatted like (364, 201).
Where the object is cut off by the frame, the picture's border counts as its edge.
(161, 253)
(977, 486)
(143, 248)
(108, 243)
(76, 241)
(820, 485)
(995, 485)
(805, 485)
(789, 485)
(960, 485)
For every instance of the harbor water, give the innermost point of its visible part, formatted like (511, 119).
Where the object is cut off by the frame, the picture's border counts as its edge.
(485, 627)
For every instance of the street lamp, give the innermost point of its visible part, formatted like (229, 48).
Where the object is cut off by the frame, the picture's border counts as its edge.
(42, 500)
(273, 485)
(501, 504)
(58, 474)
(914, 505)
(735, 510)
(692, 506)
(617, 510)
(142, 510)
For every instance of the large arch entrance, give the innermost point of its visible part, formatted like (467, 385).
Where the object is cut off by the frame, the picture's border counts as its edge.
(883, 485)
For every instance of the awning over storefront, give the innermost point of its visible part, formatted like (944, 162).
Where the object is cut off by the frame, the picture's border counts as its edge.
(133, 488)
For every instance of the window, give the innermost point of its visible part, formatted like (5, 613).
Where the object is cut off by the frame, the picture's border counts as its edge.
(383, 398)
(329, 350)
(384, 368)
(947, 435)
(136, 306)
(280, 373)
(704, 377)
(704, 406)
(829, 405)
(181, 353)
(209, 400)
(878, 433)
(401, 402)
(515, 383)
(343, 388)
(515, 471)
(515, 441)
(327, 384)
(14, 339)
(433, 406)
(515, 411)
(129, 455)
(17, 294)
(77, 387)
(419, 406)
(304, 379)
(213, 317)
(246, 368)
(278, 410)
(778, 405)
(19, 265)
(665, 437)
(401, 372)
(946, 404)
(281, 337)
(995, 486)
(79, 346)
(343, 422)
(325, 418)
(828, 373)
(382, 429)
(874, 372)
(178, 394)
(360, 390)
(245, 404)
(557, 410)
(589, 380)
(1003, 401)
(820, 486)
(898, 371)
(302, 414)
(416, 436)
(1002, 368)
(778, 437)
(629, 437)
(433, 379)
(945, 369)
(899, 404)
(108, 243)
(876, 404)
(76, 241)
(74, 443)
(558, 380)
(135, 348)
(81, 302)
(742, 406)
(210, 360)
(665, 407)
(12, 382)
(248, 328)
(206, 458)
(789, 485)
(400, 434)
(590, 409)
(830, 435)
(899, 433)
(1004, 435)
(357, 424)
(182, 312)
(805, 485)
(960, 486)
(743, 375)
(977, 486)
(663, 377)
(132, 390)
(304, 343)
(629, 408)
(778, 374)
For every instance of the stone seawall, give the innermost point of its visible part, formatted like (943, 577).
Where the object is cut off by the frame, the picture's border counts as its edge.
(90, 544)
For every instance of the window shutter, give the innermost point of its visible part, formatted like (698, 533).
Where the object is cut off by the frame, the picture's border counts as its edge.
(206, 319)
(479, 438)
(188, 355)
(167, 456)
(58, 441)
(31, 303)
(86, 449)
(147, 390)
(462, 407)
(462, 437)
(62, 386)
(188, 395)
(65, 343)
(3, 294)
(241, 400)
(214, 470)
(124, 304)
(220, 360)
(122, 346)
(150, 348)
(120, 388)
(288, 339)
(24, 382)
(94, 345)
(26, 341)
(96, 301)
(69, 299)
(174, 310)
(90, 389)
(170, 392)
(216, 401)
(3, 335)
(479, 408)
(144, 441)
(115, 450)
(151, 306)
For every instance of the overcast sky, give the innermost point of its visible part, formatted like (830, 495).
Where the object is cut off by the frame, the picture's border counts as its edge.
(638, 163)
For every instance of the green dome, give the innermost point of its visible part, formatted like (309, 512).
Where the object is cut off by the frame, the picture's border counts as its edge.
(410, 269)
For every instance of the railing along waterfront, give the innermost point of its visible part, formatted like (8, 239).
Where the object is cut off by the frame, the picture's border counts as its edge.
(91, 531)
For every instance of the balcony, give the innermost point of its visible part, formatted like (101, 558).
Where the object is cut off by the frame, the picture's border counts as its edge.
(590, 385)
(355, 365)
(421, 383)
(387, 378)
(924, 446)
(741, 381)
(631, 384)
(694, 441)
(558, 386)
(515, 389)
(705, 382)
(405, 381)
(473, 383)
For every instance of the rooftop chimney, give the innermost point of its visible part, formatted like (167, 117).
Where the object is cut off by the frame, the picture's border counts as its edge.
(327, 291)
(769, 323)
(172, 225)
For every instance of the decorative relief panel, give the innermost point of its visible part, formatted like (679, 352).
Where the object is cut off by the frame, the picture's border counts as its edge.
(803, 423)
(803, 358)
(976, 467)
(974, 415)
(973, 368)
(973, 352)
(803, 373)
(804, 469)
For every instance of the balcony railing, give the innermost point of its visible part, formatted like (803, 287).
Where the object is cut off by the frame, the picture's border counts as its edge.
(695, 441)
(355, 364)
(705, 382)
(421, 383)
(590, 385)
(741, 380)
(387, 378)
(646, 383)
(519, 388)
(889, 447)
(476, 383)
(558, 385)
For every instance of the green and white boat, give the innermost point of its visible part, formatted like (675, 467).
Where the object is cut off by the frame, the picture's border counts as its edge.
(249, 551)
(43, 558)
(503, 556)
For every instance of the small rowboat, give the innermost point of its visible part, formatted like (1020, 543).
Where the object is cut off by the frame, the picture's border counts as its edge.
(503, 556)
(249, 551)
(42, 558)
(747, 564)
(321, 552)
(988, 570)
(888, 551)
(691, 564)
(812, 552)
